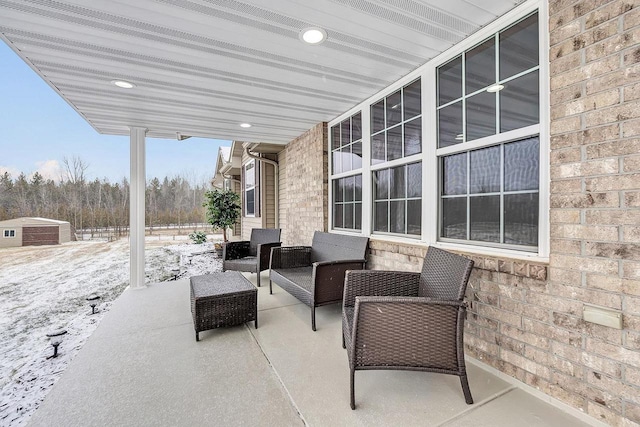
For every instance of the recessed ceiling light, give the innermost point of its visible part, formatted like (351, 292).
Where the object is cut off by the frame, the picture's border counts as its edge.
(313, 35)
(495, 88)
(123, 84)
(245, 125)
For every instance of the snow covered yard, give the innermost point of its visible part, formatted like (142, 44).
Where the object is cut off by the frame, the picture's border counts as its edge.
(45, 288)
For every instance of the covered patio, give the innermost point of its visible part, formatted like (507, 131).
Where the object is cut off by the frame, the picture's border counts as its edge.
(503, 130)
(143, 367)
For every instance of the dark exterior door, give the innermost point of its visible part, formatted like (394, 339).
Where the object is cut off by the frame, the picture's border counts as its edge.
(35, 236)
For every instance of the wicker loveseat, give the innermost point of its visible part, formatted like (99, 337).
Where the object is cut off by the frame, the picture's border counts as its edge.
(408, 321)
(251, 256)
(315, 274)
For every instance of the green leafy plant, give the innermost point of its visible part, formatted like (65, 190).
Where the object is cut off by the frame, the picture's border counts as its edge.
(198, 237)
(222, 209)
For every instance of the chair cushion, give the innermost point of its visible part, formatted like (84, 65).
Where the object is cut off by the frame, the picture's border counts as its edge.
(248, 264)
(301, 276)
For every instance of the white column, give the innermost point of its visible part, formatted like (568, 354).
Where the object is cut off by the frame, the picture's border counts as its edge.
(137, 187)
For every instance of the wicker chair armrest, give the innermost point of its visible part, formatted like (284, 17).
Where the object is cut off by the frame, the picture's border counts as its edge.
(328, 278)
(264, 254)
(379, 283)
(235, 250)
(290, 257)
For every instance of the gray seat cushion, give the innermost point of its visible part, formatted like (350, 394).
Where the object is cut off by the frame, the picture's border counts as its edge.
(249, 264)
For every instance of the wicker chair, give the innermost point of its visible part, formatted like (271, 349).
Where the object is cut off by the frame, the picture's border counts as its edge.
(408, 321)
(251, 256)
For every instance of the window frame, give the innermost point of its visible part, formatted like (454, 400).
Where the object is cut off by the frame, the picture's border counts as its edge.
(430, 153)
(9, 233)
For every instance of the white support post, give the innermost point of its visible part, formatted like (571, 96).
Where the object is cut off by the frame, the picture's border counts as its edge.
(137, 188)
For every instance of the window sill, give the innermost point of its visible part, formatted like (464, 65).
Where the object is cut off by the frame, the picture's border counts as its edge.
(490, 259)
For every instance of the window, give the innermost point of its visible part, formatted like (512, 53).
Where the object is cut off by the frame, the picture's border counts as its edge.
(346, 155)
(346, 145)
(456, 153)
(396, 134)
(482, 93)
(347, 205)
(9, 233)
(396, 125)
(398, 199)
(488, 140)
(251, 188)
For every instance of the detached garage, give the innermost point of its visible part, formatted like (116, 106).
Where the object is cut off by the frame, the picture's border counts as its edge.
(34, 232)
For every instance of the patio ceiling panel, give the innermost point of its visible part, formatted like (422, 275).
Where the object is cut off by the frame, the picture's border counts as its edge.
(201, 67)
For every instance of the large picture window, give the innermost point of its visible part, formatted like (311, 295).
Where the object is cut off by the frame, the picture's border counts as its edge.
(456, 153)
(489, 174)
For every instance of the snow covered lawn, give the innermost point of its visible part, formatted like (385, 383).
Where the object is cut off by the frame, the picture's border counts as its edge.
(44, 288)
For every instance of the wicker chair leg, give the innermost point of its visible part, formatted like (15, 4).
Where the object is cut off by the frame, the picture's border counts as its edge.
(197, 336)
(352, 389)
(258, 279)
(270, 287)
(344, 344)
(465, 389)
(313, 318)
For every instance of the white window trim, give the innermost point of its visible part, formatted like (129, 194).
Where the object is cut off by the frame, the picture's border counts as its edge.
(4, 233)
(245, 189)
(430, 153)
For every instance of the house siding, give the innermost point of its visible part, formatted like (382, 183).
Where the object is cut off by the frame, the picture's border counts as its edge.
(525, 318)
(303, 186)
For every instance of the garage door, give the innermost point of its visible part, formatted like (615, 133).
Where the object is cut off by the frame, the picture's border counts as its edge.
(33, 236)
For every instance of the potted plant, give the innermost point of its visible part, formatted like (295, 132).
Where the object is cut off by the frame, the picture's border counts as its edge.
(222, 210)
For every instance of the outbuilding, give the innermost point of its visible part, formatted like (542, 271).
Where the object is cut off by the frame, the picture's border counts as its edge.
(34, 232)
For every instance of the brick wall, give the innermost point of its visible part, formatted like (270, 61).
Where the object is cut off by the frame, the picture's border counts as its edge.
(303, 186)
(525, 319)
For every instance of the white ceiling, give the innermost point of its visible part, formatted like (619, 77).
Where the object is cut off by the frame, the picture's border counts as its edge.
(203, 66)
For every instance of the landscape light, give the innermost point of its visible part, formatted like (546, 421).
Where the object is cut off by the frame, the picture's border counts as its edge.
(55, 338)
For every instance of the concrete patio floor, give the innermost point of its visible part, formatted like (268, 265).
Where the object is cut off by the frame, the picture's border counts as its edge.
(143, 367)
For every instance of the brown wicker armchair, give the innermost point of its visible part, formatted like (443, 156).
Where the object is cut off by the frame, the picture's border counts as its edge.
(251, 256)
(408, 321)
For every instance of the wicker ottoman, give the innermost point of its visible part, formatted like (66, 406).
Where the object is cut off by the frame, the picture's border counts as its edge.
(222, 299)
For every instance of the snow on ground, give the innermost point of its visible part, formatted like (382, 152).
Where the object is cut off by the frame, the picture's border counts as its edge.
(44, 288)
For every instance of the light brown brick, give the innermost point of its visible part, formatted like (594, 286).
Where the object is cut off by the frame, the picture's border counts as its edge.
(615, 352)
(629, 251)
(567, 216)
(613, 183)
(589, 265)
(587, 200)
(626, 111)
(612, 216)
(578, 231)
(591, 168)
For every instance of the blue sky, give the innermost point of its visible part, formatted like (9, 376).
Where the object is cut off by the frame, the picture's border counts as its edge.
(39, 129)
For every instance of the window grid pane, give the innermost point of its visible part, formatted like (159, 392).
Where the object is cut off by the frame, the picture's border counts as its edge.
(495, 84)
(491, 194)
(392, 136)
(347, 203)
(346, 145)
(397, 199)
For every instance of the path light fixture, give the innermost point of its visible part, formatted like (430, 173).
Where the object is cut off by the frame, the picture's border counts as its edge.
(189, 259)
(93, 302)
(55, 338)
(176, 272)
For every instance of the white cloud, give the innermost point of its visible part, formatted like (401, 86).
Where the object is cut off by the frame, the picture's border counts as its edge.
(49, 169)
(12, 171)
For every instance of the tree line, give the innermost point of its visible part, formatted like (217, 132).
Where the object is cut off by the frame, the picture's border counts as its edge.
(96, 204)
